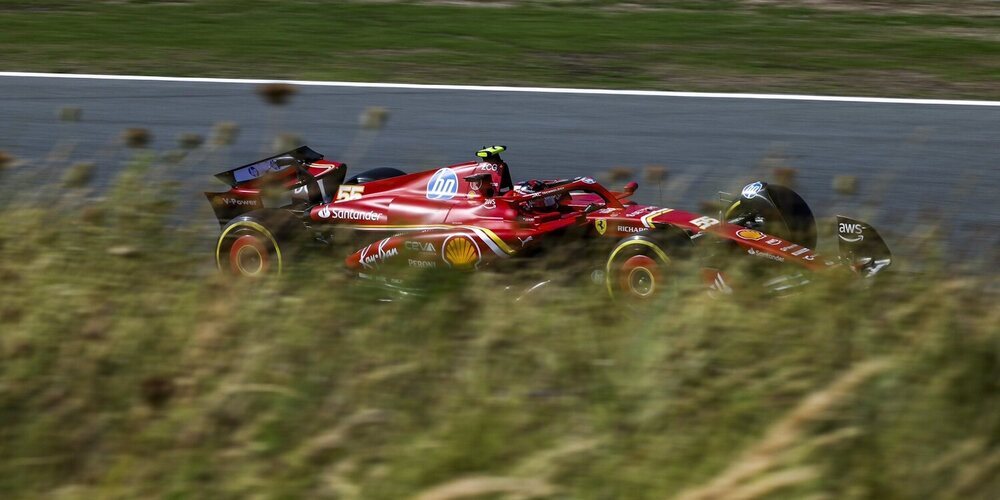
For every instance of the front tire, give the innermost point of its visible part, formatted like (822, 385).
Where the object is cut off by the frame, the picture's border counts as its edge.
(639, 268)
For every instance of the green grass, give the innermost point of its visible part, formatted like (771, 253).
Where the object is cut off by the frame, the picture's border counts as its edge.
(718, 46)
(130, 369)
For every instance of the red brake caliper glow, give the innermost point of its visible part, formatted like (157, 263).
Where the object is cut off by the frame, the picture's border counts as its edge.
(638, 263)
(248, 247)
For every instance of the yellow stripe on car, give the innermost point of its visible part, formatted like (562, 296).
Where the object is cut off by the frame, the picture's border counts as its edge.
(647, 220)
(423, 227)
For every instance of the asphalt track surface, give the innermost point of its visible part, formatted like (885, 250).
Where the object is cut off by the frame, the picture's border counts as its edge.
(916, 163)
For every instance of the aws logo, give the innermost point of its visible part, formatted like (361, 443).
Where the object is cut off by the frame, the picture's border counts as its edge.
(850, 232)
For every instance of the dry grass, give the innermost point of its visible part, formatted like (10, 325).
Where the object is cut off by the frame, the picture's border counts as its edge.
(130, 369)
(752, 474)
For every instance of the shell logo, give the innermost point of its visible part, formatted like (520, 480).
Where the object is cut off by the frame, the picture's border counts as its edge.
(750, 234)
(460, 251)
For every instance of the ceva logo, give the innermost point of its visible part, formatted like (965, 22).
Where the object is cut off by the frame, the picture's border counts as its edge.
(443, 185)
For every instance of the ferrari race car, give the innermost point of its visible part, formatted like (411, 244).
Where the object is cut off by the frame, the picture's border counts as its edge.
(389, 225)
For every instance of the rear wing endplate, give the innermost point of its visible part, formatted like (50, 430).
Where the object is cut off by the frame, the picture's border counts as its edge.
(862, 246)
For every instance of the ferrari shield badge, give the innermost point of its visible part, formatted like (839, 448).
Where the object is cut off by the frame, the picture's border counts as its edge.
(601, 225)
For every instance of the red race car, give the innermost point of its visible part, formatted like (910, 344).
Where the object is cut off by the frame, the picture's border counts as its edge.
(471, 216)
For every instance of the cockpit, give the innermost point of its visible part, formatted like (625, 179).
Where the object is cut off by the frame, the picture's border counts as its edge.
(540, 196)
(491, 158)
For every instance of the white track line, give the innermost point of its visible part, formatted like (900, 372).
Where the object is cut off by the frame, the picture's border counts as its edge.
(494, 88)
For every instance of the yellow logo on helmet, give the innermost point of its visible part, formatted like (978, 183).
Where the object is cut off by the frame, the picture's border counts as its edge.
(601, 225)
(750, 234)
(460, 251)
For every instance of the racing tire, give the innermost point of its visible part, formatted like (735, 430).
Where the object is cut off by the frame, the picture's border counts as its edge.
(638, 267)
(257, 244)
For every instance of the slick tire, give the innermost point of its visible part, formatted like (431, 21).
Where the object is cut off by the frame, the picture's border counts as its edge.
(638, 268)
(257, 244)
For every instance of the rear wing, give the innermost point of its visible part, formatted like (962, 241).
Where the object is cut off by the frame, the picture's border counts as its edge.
(290, 179)
(862, 247)
(255, 170)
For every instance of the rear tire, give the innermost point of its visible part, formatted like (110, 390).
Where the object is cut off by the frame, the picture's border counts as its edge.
(257, 244)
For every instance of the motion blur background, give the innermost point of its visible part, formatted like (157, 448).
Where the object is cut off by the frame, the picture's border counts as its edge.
(130, 369)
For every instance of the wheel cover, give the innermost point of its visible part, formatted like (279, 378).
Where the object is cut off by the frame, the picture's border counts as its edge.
(248, 256)
(230, 233)
(647, 250)
(639, 275)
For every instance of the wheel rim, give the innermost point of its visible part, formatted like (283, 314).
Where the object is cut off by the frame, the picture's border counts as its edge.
(248, 256)
(639, 275)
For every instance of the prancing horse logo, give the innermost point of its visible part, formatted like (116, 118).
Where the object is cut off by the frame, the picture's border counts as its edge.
(601, 225)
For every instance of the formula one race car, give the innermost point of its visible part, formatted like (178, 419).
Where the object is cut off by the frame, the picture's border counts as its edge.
(471, 216)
